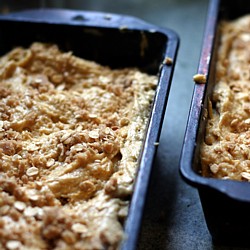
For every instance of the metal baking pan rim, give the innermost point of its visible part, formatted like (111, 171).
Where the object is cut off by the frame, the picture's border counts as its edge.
(85, 17)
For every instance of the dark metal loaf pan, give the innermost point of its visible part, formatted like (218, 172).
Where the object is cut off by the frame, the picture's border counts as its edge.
(113, 40)
(226, 203)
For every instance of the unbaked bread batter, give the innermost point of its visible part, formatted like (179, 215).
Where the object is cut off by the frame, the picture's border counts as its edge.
(71, 132)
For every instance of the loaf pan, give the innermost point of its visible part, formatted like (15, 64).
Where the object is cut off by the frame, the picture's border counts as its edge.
(116, 41)
(225, 203)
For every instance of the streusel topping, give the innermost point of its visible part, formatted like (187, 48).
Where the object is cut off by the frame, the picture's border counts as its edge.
(71, 132)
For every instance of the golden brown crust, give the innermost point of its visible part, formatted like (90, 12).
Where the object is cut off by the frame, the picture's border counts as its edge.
(225, 151)
(70, 136)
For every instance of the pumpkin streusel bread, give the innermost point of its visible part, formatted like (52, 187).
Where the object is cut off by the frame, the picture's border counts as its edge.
(225, 152)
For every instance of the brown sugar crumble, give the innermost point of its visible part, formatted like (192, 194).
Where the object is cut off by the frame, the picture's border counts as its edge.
(225, 151)
(71, 132)
(200, 78)
(168, 61)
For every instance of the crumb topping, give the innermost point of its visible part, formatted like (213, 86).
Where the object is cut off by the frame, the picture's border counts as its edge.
(71, 132)
(168, 61)
(200, 78)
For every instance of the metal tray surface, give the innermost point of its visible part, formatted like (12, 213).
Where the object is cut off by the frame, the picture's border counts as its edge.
(114, 40)
(225, 203)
